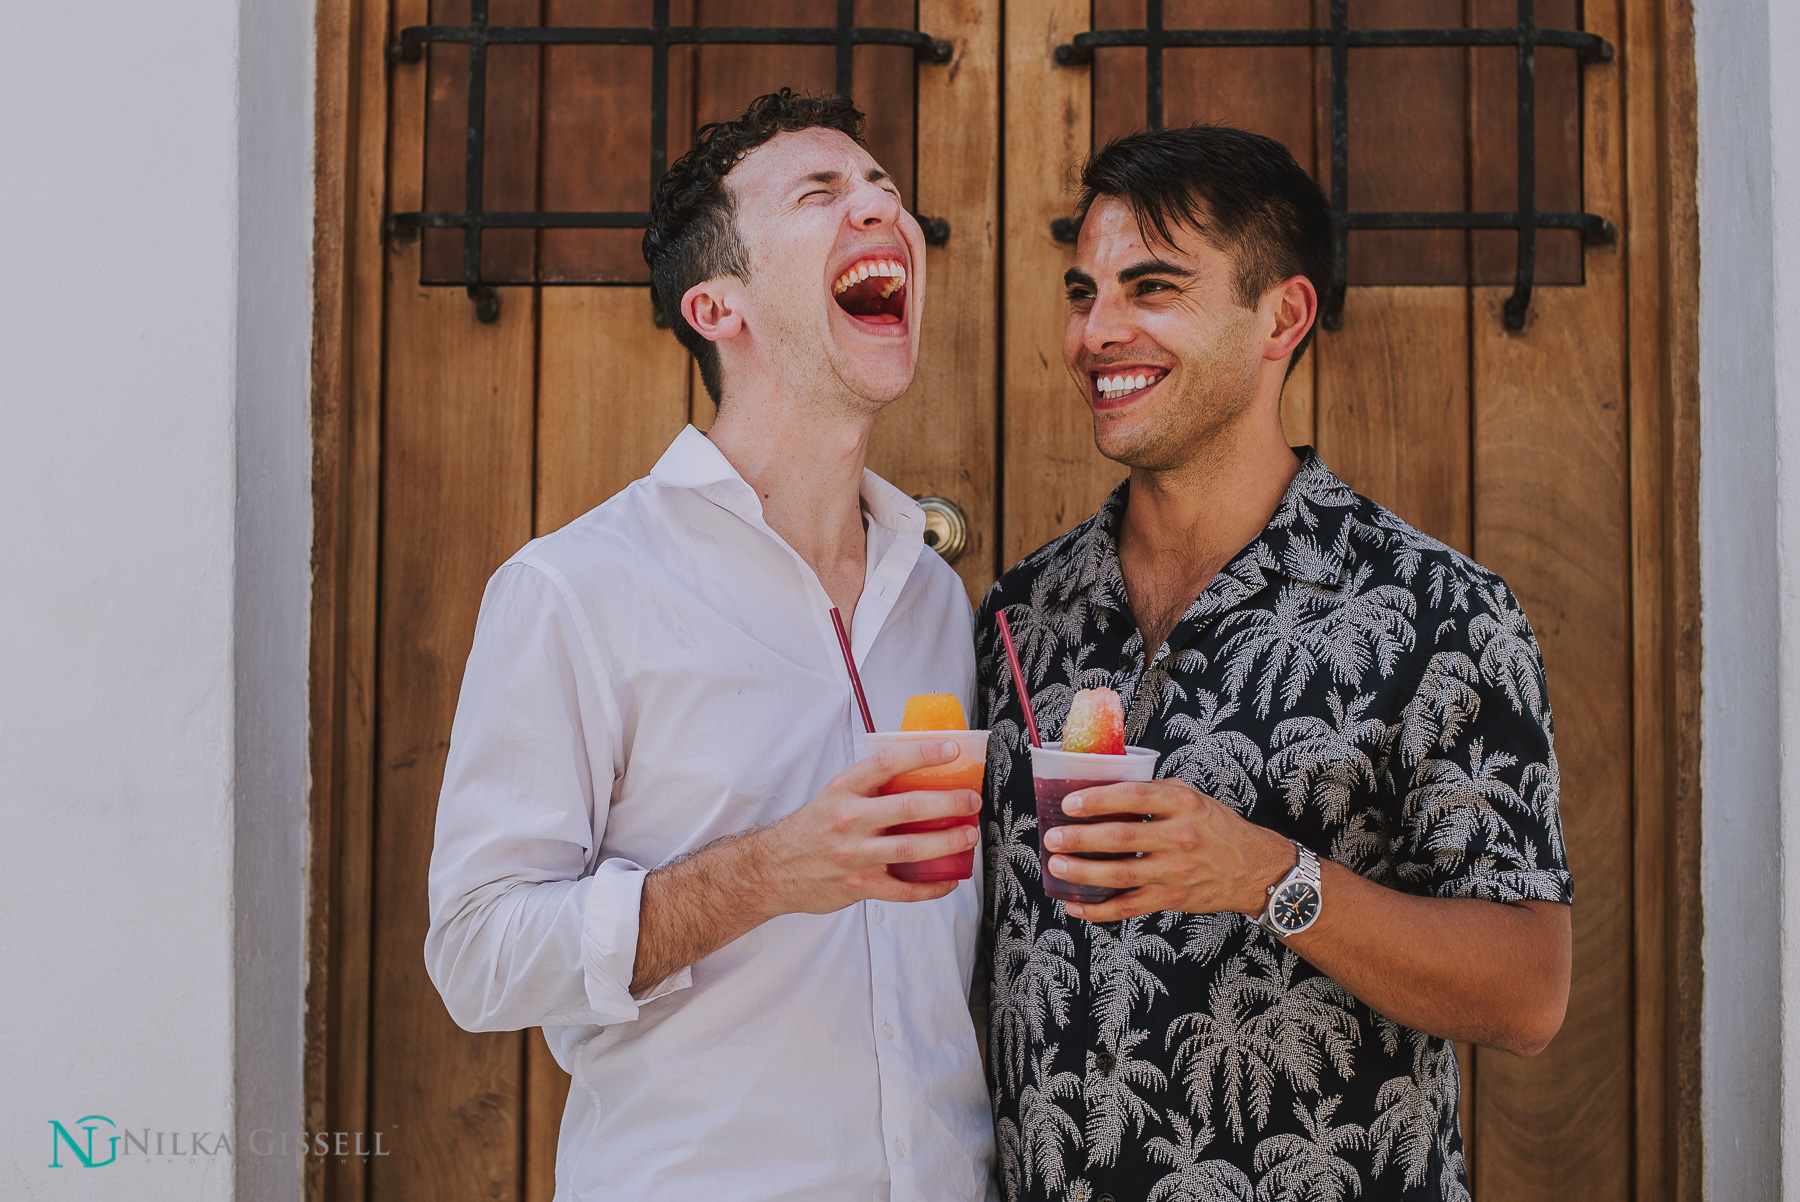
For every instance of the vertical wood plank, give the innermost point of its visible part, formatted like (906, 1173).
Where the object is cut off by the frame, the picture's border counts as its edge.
(1494, 118)
(351, 118)
(1393, 404)
(726, 78)
(939, 439)
(510, 143)
(546, 1093)
(1552, 518)
(612, 395)
(1298, 401)
(1660, 252)
(596, 138)
(1053, 476)
(1267, 89)
(1552, 515)
(885, 82)
(1408, 144)
(455, 501)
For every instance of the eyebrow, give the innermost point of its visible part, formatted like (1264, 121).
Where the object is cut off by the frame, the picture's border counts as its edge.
(1073, 278)
(1152, 267)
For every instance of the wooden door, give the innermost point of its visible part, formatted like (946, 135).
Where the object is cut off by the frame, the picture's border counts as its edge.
(1555, 454)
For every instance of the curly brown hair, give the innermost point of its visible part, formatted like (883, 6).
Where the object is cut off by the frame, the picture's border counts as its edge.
(693, 234)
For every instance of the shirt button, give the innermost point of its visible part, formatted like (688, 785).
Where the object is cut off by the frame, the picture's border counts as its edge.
(1104, 1198)
(1104, 1063)
(875, 911)
(887, 1031)
(899, 1150)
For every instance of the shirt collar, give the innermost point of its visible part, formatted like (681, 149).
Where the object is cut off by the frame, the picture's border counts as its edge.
(1307, 538)
(693, 462)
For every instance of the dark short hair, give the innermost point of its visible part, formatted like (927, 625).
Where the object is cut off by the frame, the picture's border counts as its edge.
(693, 235)
(1242, 191)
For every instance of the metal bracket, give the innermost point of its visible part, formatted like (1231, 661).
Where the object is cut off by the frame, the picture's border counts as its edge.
(935, 229)
(487, 303)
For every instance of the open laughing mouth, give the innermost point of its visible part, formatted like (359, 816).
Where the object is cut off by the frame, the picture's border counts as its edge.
(1112, 385)
(873, 291)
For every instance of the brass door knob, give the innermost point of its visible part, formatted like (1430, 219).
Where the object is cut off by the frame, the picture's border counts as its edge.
(946, 527)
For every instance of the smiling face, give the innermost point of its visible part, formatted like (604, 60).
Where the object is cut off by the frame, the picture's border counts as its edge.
(1166, 354)
(836, 278)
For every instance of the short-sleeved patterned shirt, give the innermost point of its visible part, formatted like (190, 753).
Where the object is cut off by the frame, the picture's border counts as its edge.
(1346, 681)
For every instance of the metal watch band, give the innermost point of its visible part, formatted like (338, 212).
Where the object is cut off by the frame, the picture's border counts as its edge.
(1305, 869)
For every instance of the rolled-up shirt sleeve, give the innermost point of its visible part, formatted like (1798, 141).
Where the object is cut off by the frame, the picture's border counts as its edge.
(530, 925)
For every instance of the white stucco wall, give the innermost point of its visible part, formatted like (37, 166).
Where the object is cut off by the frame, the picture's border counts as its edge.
(1784, 208)
(1750, 593)
(154, 524)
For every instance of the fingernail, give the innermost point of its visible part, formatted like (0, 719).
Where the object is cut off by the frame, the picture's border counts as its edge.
(1053, 838)
(948, 747)
(1072, 803)
(1057, 865)
(970, 837)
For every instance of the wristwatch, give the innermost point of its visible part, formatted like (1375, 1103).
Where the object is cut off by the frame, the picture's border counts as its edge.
(1294, 900)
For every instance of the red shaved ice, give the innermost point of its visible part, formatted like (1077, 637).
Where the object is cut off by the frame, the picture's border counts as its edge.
(1096, 723)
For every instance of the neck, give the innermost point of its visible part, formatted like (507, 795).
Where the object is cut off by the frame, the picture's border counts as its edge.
(805, 461)
(1209, 507)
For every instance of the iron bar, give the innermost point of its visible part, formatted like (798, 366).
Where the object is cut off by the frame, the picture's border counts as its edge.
(924, 46)
(1523, 37)
(1517, 305)
(658, 37)
(487, 301)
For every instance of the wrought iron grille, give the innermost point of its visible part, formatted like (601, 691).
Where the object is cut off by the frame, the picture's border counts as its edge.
(659, 35)
(1340, 38)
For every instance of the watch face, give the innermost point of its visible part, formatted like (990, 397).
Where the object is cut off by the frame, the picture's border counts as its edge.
(1295, 905)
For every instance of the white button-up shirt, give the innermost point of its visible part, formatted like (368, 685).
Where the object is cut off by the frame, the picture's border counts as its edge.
(657, 674)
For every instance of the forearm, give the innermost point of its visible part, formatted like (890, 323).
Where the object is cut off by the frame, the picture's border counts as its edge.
(697, 905)
(1480, 971)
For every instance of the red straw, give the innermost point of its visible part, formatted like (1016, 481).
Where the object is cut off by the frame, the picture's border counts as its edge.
(837, 620)
(1012, 661)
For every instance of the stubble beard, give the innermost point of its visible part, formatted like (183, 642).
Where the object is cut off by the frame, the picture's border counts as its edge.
(1197, 427)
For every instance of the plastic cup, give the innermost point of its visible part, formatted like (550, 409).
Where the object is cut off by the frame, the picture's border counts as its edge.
(964, 772)
(1055, 774)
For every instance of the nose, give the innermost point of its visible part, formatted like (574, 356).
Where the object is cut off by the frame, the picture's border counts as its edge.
(1108, 322)
(873, 206)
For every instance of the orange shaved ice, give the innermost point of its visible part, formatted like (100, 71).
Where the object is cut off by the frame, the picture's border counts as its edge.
(934, 711)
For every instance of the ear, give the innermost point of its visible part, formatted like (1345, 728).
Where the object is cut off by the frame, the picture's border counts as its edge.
(715, 309)
(1291, 306)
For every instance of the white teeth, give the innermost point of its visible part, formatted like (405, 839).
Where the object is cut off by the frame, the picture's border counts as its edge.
(893, 271)
(1112, 387)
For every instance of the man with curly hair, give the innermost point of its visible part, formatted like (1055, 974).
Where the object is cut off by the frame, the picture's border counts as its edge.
(657, 838)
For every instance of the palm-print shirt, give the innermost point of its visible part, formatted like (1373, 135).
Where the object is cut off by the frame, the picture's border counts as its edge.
(1344, 680)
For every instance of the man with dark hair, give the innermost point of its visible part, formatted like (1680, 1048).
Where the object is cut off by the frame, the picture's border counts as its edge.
(1351, 856)
(656, 837)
